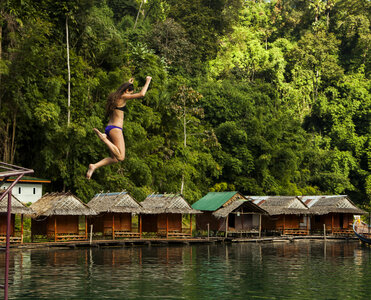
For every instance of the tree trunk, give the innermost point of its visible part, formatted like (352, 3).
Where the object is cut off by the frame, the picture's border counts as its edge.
(69, 76)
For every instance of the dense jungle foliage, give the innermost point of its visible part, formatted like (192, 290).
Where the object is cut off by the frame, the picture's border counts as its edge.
(263, 97)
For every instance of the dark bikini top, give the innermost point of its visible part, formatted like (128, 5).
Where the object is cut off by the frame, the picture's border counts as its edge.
(122, 108)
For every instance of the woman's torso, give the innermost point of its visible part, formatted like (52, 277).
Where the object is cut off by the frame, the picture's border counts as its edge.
(117, 115)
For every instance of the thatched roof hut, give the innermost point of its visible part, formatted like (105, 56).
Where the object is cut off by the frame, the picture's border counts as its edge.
(281, 205)
(244, 204)
(115, 203)
(322, 205)
(63, 204)
(167, 203)
(17, 206)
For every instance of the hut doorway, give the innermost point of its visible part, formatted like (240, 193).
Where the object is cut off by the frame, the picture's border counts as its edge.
(231, 220)
(341, 220)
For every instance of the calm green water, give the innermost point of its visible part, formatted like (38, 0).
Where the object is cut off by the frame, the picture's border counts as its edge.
(298, 270)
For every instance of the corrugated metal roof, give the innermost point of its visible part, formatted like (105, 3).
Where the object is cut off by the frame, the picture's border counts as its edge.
(213, 200)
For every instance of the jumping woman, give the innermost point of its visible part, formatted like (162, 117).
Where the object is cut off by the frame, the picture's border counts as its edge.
(113, 137)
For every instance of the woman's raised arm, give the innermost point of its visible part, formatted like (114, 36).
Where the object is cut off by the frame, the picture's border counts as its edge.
(141, 94)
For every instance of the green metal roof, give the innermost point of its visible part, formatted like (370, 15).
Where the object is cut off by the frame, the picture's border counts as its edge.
(213, 200)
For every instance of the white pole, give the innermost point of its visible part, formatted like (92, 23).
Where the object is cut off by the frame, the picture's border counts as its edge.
(69, 76)
(91, 233)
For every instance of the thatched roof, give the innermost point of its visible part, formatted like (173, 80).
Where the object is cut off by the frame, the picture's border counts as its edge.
(61, 204)
(167, 203)
(115, 202)
(17, 206)
(281, 205)
(246, 205)
(322, 205)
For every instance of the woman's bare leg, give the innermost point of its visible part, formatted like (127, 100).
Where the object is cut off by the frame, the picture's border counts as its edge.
(104, 162)
(115, 143)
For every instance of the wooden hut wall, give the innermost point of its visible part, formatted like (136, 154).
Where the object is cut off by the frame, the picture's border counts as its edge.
(122, 222)
(246, 222)
(343, 221)
(288, 222)
(103, 222)
(4, 223)
(149, 223)
(174, 222)
(65, 224)
(207, 218)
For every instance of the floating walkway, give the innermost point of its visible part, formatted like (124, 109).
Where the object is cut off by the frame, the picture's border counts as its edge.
(169, 242)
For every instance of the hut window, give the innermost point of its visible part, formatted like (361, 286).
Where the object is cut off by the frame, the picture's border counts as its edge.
(34, 191)
(19, 190)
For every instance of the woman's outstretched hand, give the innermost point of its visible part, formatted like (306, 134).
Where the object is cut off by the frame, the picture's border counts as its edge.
(148, 78)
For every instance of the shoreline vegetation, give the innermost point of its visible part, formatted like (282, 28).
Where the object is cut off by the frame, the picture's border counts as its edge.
(263, 97)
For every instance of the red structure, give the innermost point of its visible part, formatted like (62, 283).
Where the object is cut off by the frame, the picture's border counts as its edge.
(7, 170)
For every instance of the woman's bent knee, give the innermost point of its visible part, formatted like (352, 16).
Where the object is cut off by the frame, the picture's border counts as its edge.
(120, 157)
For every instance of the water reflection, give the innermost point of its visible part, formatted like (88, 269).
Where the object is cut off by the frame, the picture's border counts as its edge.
(305, 270)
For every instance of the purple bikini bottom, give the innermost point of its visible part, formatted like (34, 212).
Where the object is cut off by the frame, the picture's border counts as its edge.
(109, 128)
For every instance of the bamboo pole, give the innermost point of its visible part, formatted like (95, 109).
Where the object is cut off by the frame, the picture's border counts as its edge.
(91, 233)
(140, 227)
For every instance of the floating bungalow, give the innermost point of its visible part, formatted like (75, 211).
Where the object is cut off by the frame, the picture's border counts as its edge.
(163, 215)
(287, 214)
(115, 211)
(336, 213)
(57, 215)
(18, 208)
(228, 212)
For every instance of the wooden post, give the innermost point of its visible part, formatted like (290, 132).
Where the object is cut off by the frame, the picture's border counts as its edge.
(113, 226)
(307, 224)
(55, 228)
(324, 231)
(86, 227)
(91, 233)
(260, 226)
(284, 223)
(208, 231)
(140, 226)
(167, 225)
(21, 228)
(190, 224)
(226, 226)
(332, 223)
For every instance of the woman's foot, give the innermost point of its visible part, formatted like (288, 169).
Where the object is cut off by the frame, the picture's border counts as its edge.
(90, 171)
(102, 136)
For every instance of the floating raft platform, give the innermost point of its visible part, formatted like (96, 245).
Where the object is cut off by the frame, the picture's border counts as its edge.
(167, 242)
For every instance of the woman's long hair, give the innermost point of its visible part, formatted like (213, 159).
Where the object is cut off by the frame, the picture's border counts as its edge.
(114, 96)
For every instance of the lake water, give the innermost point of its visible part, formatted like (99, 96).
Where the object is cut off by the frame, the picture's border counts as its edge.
(294, 270)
